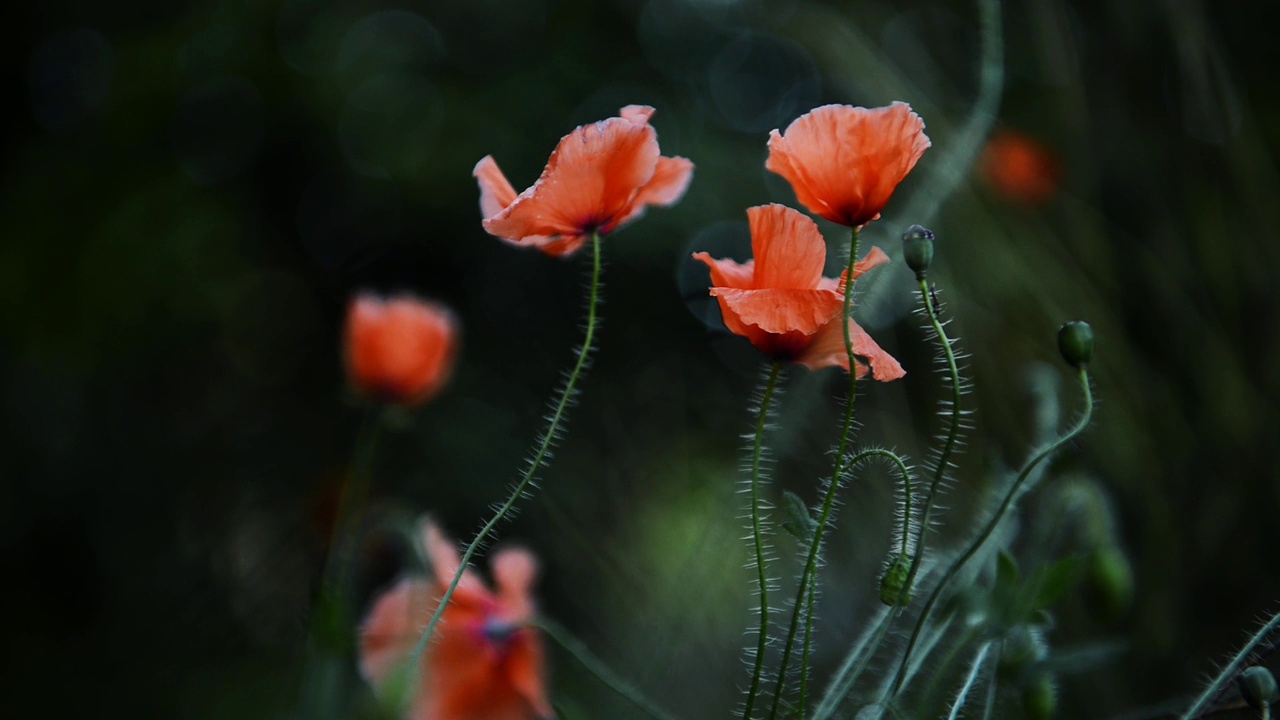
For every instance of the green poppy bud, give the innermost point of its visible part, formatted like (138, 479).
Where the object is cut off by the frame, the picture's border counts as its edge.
(1023, 648)
(1075, 342)
(917, 248)
(1112, 578)
(893, 582)
(1258, 686)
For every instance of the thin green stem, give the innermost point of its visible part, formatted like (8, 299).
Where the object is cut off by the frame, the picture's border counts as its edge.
(757, 536)
(807, 586)
(593, 664)
(996, 519)
(319, 692)
(1231, 668)
(989, 706)
(953, 431)
(351, 502)
(970, 680)
(540, 456)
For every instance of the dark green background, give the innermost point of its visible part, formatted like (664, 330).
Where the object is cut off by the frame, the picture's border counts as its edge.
(193, 190)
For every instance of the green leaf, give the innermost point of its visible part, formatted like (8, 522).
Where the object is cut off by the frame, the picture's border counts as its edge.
(1006, 571)
(1051, 583)
(799, 522)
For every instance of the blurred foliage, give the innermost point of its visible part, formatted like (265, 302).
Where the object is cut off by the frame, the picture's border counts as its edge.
(192, 190)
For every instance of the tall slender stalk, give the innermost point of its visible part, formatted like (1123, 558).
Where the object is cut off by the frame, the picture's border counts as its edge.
(539, 457)
(757, 536)
(806, 589)
(970, 680)
(953, 429)
(996, 519)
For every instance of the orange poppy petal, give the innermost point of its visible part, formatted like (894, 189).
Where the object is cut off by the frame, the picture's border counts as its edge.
(443, 555)
(874, 259)
(780, 310)
(589, 182)
(515, 570)
(496, 192)
(728, 273)
(828, 350)
(525, 670)
(638, 114)
(788, 247)
(845, 162)
(387, 633)
(669, 182)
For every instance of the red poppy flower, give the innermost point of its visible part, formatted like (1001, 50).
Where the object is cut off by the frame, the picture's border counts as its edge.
(845, 162)
(600, 177)
(1020, 168)
(781, 302)
(399, 349)
(485, 662)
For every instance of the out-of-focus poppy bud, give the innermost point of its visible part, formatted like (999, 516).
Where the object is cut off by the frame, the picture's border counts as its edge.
(1020, 168)
(399, 349)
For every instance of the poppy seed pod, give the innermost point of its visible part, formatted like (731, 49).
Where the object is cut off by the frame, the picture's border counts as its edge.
(1075, 342)
(917, 248)
(1258, 686)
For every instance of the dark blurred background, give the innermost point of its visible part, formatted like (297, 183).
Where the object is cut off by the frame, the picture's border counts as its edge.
(193, 190)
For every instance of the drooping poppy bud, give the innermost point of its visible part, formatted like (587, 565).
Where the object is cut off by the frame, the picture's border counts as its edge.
(1258, 687)
(894, 582)
(399, 349)
(1075, 342)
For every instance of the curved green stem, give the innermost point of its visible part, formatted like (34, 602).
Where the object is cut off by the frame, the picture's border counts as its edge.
(540, 456)
(1231, 668)
(757, 536)
(808, 579)
(600, 670)
(991, 525)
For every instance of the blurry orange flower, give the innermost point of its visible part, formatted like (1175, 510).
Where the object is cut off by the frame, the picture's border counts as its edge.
(845, 162)
(399, 349)
(599, 177)
(1019, 167)
(781, 302)
(485, 662)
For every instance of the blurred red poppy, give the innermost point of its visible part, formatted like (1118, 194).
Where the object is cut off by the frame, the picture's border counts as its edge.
(781, 302)
(845, 162)
(399, 349)
(600, 177)
(1020, 168)
(485, 661)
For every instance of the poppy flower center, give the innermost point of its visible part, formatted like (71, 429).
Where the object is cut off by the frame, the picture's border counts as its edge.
(498, 632)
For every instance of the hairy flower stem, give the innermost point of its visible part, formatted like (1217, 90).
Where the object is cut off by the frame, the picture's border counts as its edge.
(1229, 672)
(971, 679)
(953, 430)
(992, 524)
(806, 589)
(757, 536)
(539, 457)
(593, 665)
